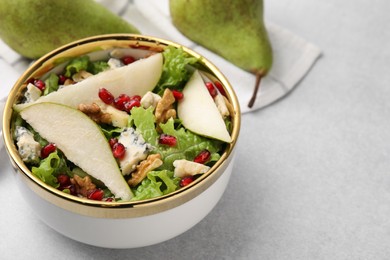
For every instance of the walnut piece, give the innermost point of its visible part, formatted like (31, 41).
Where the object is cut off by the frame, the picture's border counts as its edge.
(68, 82)
(152, 162)
(83, 185)
(95, 113)
(164, 108)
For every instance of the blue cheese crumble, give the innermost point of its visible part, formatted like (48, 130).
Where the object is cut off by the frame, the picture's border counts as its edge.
(32, 93)
(29, 149)
(137, 149)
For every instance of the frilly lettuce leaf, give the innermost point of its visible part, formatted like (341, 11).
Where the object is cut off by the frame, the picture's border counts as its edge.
(175, 70)
(49, 168)
(97, 66)
(83, 63)
(157, 183)
(188, 145)
(144, 121)
(51, 84)
(76, 65)
(110, 131)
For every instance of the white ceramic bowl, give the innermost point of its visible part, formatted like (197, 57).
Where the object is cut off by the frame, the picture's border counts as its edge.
(120, 224)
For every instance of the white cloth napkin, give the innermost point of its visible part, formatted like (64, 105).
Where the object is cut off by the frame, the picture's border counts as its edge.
(293, 56)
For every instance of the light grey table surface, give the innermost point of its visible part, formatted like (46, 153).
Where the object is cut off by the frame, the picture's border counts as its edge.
(312, 177)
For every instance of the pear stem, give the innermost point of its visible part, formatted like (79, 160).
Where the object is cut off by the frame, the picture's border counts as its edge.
(259, 75)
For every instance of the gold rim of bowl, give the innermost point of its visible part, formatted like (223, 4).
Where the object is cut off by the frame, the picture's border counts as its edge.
(115, 209)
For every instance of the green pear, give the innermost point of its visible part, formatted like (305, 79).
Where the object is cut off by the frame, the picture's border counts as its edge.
(233, 29)
(34, 27)
(81, 140)
(198, 112)
(136, 78)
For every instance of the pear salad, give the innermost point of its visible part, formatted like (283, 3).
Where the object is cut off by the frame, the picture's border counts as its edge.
(122, 128)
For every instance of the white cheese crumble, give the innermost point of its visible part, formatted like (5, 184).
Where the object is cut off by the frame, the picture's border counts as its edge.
(114, 63)
(185, 168)
(150, 99)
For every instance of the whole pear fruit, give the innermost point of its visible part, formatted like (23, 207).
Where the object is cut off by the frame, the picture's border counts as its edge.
(233, 29)
(34, 27)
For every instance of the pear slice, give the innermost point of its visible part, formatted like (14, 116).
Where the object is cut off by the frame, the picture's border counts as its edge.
(198, 111)
(136, 78)
(81, 140)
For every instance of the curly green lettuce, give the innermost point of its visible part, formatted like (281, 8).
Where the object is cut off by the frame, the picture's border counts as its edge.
(144, 121)
(49, 168)
(51, 84)
(188, 146)
(157, 183)
(84, 63)
(175, 70)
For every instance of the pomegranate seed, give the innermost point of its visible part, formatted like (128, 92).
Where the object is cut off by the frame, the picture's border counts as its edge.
(167, 140)
(112, 141)
(106, 96)
(30, 80)
(128, 59)
(140, 47)
(118, 150)
(220, 88)
(132, 103)
(120, 101)
(63, 180)
(62, 79)
(48, 149)
(177, 94)
(96, 194)
(136, 97)
(186, 180)
(70, 187)
(203, 157)
(40, 84)
(213, 92)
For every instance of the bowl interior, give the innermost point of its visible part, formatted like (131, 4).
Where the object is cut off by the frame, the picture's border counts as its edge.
(98, 48)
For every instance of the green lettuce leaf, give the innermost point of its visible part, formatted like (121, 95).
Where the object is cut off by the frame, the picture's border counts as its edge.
(97, 66)
(144, 121)
(83, 63)
(147, 190)
(51, 84)
(48, 168)
(188, 145)
(175, 70)
(156, 184)
(169, 182)
(76, 65)
(110, 131)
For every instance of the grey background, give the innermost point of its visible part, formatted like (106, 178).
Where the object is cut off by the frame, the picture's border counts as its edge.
(312, 175)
